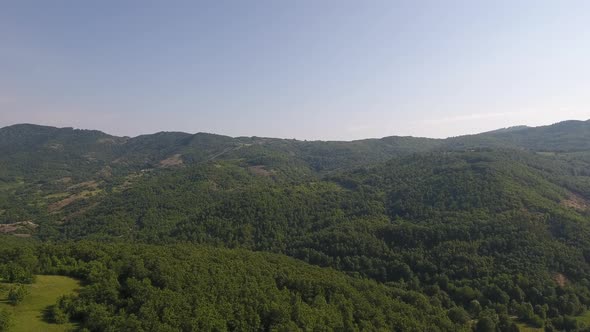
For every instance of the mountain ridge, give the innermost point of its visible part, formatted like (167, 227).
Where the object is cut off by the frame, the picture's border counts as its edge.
(499, 130)
(519, 129)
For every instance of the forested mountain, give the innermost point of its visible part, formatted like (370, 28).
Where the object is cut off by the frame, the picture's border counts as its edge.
(182, 232)
(566, 136)
(27, 149)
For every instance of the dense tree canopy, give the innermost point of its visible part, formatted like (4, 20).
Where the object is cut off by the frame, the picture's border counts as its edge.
(192, 232)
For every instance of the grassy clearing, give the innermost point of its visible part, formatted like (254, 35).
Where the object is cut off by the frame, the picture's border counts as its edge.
(57, 195)
(7, 186)
(584, 318)
(525, 328)
(28, 315)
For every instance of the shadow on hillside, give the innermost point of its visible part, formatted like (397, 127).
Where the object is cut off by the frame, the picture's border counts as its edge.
(47, 314)
(54, 315)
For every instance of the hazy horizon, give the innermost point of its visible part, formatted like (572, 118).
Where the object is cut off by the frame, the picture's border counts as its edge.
(329, 70)
(300, 139)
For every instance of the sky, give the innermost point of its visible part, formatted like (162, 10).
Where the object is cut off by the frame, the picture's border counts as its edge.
(305, 69)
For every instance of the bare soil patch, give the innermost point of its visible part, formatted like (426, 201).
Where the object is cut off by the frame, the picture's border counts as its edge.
(577, 202)
(175, 160)
(560, 279)
(260, 170)
(18, 227)
(54, 207)
(67, 179)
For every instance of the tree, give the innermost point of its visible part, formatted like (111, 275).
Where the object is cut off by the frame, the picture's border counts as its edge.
(458, 315)
(488, 321)
(525, 311)
(474, 307)
(485, 324)
(17, 294)
(58, 316)
(5, 320)
(506, 324)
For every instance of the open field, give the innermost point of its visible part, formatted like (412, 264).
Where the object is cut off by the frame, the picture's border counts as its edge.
(526, 328)
(584, 318)
(28, 315)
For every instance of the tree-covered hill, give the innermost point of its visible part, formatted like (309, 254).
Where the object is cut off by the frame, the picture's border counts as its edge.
(566, 136)
(441, 223)
(41, 152)
(471, 232)
(196, 288)
(45, 153)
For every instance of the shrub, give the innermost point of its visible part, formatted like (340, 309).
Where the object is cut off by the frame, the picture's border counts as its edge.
(17, 294)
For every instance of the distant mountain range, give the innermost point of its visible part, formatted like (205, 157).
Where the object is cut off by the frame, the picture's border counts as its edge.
(27, 145)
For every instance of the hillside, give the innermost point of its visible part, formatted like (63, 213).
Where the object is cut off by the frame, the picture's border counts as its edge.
(482, 229)
(566, 136)
(31, 150)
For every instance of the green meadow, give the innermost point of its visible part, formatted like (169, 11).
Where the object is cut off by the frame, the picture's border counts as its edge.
(28, 315)
(526, 328)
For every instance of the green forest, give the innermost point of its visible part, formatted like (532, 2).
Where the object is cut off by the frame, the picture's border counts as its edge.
(182, 232)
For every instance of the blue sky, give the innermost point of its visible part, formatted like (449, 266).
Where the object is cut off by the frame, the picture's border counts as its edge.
(301, 69)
